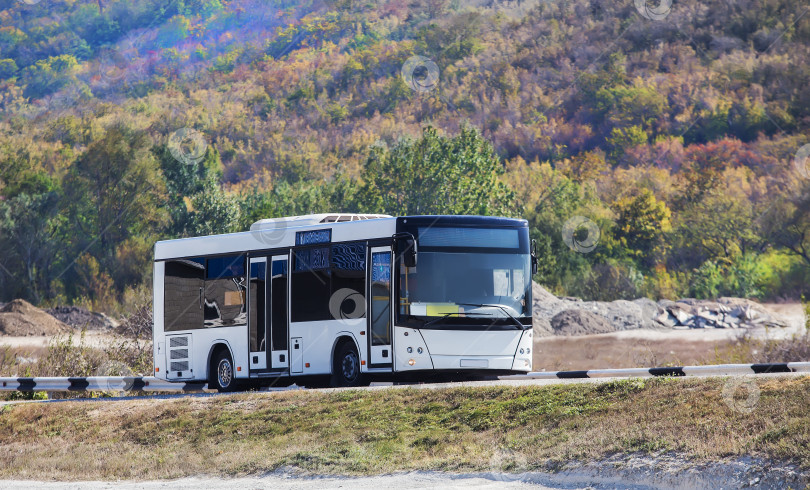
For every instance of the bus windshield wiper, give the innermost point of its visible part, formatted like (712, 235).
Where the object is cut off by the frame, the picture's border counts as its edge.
(502, 308)
(436, 320)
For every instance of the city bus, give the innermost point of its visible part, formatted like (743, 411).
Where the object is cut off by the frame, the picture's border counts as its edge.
(343, 298)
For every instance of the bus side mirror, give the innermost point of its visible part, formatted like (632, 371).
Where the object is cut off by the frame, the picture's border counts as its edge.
(406, 248)
(534, 257)
(408, 252)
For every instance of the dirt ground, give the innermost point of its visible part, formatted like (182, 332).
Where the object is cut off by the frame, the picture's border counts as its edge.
(607, 351)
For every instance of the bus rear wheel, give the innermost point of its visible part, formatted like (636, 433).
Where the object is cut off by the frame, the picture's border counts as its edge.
(346, 371)
(222, 375)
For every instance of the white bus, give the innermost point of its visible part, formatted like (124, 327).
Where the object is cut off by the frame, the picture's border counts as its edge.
(344, 297)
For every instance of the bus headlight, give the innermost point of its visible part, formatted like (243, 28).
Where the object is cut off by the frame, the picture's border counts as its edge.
(411, 362)
(409, 349)
(419, 350)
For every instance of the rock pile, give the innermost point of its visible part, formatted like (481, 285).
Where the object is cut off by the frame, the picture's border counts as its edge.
(553, 315)
(723, 313)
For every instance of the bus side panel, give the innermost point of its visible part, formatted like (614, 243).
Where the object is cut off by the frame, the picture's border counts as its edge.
(204, 339)
(158, 336)
(318, 339)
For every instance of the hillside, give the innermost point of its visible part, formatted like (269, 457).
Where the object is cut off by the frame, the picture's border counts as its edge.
(652, 157)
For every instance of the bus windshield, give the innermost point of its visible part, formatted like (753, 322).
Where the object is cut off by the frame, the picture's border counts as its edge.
(467, 273)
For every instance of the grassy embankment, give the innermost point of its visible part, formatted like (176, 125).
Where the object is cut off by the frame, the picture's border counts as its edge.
(379, 431)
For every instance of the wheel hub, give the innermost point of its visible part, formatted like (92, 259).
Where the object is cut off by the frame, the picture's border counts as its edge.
(225, 373)
(350, 367)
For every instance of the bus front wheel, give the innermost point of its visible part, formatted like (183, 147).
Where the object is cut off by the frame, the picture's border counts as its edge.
(222, 377)
(346, 371)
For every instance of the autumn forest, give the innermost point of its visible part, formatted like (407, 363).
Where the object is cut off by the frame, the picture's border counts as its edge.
(653, 155)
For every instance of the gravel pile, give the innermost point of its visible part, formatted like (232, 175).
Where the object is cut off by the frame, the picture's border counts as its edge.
(579, 322)
(79, 318)
(20, 318)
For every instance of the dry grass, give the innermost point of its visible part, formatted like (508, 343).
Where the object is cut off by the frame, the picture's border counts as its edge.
(380, 431)
(72, 356)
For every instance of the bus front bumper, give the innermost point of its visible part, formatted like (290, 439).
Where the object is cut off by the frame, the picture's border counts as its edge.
(502, 350)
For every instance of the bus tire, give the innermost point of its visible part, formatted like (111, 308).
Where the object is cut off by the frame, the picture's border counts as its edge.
(346, 370)
(222, 374)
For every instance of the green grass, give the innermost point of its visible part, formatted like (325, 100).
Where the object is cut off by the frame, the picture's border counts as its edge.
(381, 431)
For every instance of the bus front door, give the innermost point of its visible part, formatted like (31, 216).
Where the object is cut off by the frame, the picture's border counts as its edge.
(380, 316)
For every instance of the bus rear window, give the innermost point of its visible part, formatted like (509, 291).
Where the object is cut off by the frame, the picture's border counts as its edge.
(183, 284)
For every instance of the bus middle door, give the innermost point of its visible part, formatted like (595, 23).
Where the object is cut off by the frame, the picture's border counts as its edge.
(279, 326)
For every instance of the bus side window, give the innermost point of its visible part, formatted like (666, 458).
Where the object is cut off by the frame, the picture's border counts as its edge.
(311, 284)
(225, 292)
(348, 281)
(183, 284)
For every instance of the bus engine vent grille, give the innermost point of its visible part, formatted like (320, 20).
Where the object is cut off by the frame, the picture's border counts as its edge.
(179, 357)
(179, 353)
(179, 366)
(178, 341)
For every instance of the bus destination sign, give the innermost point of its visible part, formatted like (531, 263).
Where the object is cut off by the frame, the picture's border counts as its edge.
(313, 237)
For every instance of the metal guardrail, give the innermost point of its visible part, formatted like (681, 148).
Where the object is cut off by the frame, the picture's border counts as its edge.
(98, 383)
(709, 370)
(152, 384)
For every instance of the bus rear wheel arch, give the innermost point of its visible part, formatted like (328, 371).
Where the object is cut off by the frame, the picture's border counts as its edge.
(346, 365)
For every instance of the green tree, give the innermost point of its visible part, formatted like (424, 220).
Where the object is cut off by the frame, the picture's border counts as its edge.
(723, 226)
(787, 222)
(624, 105)
(116, 191)
(173, 31)
(641, 226)
(8, 68)
(184, 180)
(436, 174)
(47, 76)
(622, 139)
(32, 240)
(213, 212)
